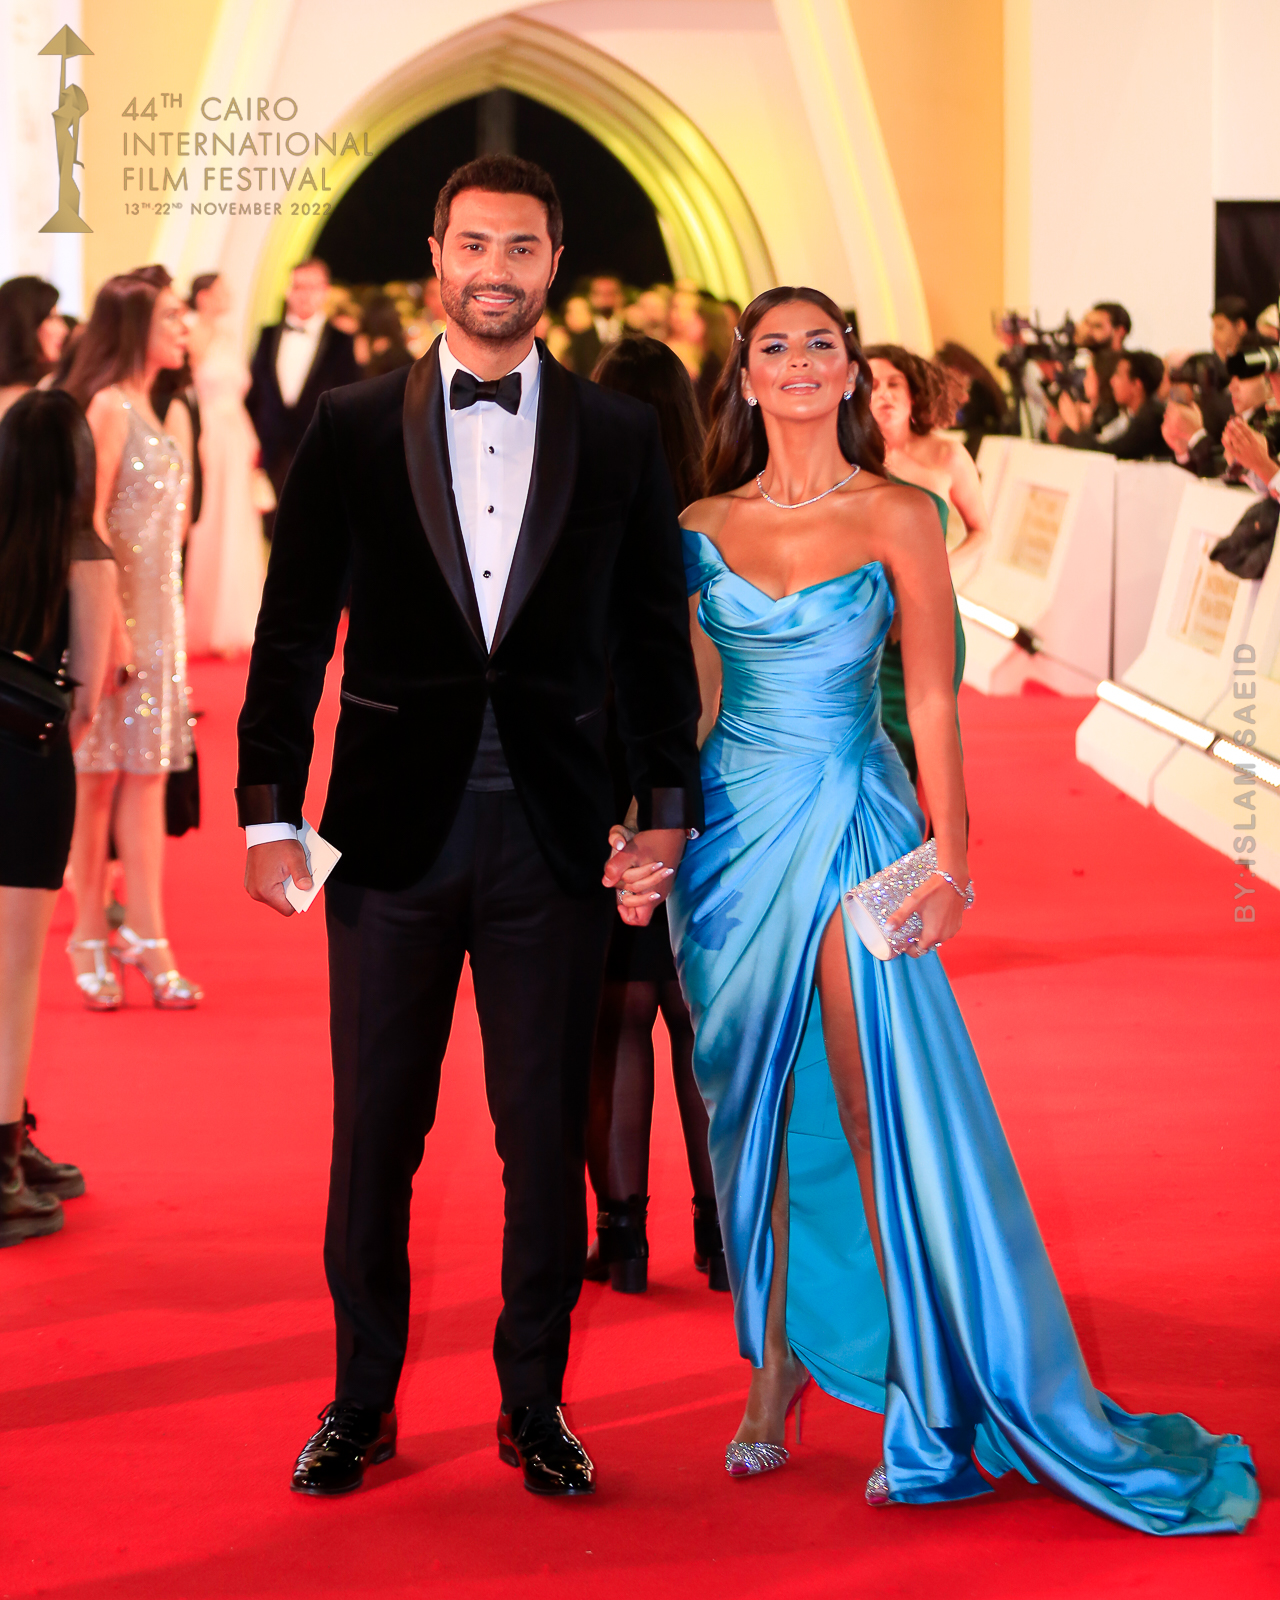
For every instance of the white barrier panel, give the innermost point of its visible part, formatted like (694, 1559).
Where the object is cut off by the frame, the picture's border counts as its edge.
(992, 459)
(1047, 568)
(1201, 614)
(1148, 495)
(1227, 807)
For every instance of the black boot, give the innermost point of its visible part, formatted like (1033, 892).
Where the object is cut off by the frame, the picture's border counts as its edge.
(58, 1178)
(708, 1244)
(24, 1212)
(624, 1246)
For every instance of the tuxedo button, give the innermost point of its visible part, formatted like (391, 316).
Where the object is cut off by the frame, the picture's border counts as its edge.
(492, 675)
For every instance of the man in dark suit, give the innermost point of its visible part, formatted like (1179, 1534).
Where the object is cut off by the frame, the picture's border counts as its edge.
(513, 546)
(1134, 435)
(297, 360)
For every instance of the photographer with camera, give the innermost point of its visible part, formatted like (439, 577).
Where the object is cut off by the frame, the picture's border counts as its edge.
(1251, 437)
(1135, 383)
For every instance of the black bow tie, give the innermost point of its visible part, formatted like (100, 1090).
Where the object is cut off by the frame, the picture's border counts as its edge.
(295, 327)
(466, 389)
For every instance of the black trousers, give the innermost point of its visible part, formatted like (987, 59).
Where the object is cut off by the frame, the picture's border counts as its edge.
(537, 960)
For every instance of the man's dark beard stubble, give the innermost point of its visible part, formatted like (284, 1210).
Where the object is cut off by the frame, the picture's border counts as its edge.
(521, 318)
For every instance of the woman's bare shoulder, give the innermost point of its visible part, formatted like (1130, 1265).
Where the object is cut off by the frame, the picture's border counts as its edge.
(709, 514)
(106, 414)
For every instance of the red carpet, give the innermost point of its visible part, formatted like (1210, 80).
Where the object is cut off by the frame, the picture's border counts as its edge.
(164, 1355)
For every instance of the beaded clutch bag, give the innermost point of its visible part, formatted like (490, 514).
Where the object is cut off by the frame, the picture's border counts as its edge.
(876, 899)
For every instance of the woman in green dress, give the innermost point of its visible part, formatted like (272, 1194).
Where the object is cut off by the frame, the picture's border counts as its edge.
(911, 399)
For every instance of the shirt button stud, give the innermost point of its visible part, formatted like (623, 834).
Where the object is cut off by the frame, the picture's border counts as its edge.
(491, 508)
(490, 449)
(486, 574)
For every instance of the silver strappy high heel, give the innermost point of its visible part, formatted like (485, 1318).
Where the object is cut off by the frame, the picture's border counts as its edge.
(169, 989)
(746, 1458)
(100, 988)
(878, 1487)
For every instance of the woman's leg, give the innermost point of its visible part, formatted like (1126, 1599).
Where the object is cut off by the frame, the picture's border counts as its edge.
(844, 1058)
(693, 1113)
(140, 841)
(94, 793)
(774, 1384)
(25, 915)
(620, 1117)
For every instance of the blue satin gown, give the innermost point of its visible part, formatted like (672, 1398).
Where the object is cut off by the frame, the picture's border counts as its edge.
(969, 1350)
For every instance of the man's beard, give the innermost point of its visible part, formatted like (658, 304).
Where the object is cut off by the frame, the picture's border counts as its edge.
(520, 317)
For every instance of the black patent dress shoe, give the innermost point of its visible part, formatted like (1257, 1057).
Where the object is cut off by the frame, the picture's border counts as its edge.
(350, 1438)
(58, 1178)
(537, 1440)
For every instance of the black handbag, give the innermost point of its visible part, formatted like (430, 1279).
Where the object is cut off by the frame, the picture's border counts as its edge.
(35, 704)
(1246, 550)
(182, 795)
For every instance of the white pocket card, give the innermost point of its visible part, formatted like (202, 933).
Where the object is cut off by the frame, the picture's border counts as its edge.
(321, 860)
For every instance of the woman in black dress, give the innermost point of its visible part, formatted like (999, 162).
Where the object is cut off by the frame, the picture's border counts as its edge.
(640, 980)
(57, 607)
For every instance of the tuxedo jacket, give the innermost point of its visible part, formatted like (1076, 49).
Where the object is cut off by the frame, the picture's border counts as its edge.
(1142, 440)
(280, 427)
(595, 596)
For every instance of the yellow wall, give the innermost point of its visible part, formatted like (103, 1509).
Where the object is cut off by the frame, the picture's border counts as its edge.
(936, 74)
(142, 49)
(936, 71)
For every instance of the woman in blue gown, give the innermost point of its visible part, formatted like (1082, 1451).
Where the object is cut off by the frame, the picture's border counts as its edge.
(877, 1233)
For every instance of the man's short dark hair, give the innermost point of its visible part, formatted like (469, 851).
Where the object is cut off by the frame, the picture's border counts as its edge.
(311, 261)
(502, 175)
(1234, 307)
(1120, 318)
(1147, 368)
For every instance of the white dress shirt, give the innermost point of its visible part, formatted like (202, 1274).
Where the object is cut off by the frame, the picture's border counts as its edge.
(295, 353)
(491, 462)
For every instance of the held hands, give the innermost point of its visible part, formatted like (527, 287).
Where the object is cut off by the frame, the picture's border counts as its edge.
(641, 869)
(941, 910)
(266, 868)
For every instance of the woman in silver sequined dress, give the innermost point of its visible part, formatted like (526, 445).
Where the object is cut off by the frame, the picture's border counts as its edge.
(141, 733)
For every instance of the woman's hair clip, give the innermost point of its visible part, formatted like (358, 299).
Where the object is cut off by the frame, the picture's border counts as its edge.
(848, 327)
(737, 333)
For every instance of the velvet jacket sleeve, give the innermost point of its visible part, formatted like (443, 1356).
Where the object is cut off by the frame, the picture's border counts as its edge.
(297, 627)
(650, 656)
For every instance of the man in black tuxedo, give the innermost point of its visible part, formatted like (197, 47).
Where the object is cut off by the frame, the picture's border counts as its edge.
(512, 539)
(297, 360)
(1134, 434)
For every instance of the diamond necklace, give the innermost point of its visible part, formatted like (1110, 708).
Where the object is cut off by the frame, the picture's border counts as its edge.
(782, 505)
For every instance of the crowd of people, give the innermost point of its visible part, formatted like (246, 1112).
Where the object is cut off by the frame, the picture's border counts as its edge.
(189, 449)
(569, 654)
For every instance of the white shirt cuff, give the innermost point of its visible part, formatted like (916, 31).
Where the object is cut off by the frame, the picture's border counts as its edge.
(1273, 487)
(267, 832)
(1195, 439)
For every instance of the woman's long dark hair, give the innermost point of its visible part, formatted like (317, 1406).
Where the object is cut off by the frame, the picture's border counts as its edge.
(24, 304)
(647, 370)
(737, 448)
(47, 473)
(114, 343)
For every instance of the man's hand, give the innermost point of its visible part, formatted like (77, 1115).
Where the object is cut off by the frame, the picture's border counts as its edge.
(641, 870)
(1248, 449)
(266, 868)
(1054, 426)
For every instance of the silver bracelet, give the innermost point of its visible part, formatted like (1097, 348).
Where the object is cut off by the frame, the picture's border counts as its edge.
(965, 894)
